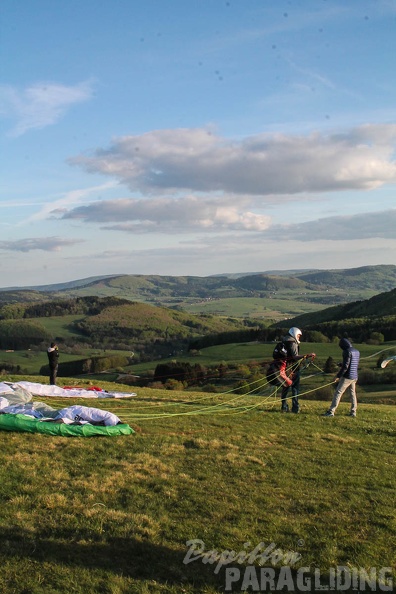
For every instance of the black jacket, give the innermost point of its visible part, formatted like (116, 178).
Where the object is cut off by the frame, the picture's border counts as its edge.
(293, 348)
(53, 356)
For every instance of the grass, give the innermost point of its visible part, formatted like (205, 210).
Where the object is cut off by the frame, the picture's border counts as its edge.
(61, 326)
(253, 307)
(257, 351)
(31, 361)
(113, 515)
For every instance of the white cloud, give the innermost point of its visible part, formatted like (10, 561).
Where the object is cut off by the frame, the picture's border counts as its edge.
(169, 215)
(46, 244)
(203, 182)
(165, 161)
(42, 104)
(58, 206)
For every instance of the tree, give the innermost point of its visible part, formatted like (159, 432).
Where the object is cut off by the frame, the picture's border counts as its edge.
(315, 336)
(173, 384)
(20, 334)
(330, 366)
(376, 338)
(242, 387)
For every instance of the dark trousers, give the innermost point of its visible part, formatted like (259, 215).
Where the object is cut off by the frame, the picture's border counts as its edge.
(295, 389)
(53, 374)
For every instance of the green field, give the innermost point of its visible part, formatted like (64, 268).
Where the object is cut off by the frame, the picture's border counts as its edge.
(253, 307)
(113, 515)
(256, 351)
(30, 362)
(60, 326)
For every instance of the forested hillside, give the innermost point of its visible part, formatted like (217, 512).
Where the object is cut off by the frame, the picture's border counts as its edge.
(380, 305)
(363, 319)
(378, 278)
(115, 323)
(153, 331)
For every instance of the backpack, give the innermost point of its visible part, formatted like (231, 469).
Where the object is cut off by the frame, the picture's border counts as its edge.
(280, 351)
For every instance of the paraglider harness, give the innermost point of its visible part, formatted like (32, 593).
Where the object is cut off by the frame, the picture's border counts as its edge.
(276, 373)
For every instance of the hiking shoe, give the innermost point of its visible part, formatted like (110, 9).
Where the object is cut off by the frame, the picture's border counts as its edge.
(328, 414)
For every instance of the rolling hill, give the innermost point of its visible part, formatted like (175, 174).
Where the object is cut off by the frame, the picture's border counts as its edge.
(382, 305)
(107, 322)
(321, 287)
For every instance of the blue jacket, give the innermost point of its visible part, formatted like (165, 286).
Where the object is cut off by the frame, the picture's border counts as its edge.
(350, 360)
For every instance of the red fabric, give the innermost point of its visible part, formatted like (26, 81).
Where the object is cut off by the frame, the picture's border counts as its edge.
(282, 374)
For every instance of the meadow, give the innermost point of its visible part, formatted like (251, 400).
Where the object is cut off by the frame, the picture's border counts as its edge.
(247, 352)
(114, 515)
(237, 354)
(285, 306)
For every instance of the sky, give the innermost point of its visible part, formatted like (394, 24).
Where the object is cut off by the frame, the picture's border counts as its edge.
(195, 137)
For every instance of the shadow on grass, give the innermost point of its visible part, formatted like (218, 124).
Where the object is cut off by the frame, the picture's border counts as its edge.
(127, 557)
(139, 560)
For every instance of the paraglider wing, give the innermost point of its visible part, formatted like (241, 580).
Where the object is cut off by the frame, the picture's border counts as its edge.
(387, 360)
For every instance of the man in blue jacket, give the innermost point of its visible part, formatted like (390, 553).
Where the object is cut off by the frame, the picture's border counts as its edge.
(346, 377)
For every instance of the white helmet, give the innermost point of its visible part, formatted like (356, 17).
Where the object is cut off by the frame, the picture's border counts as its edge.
(296, 333)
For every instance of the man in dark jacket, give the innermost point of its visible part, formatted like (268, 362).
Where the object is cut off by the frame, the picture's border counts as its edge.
(292, 345)
(346, 377)
(53, 356)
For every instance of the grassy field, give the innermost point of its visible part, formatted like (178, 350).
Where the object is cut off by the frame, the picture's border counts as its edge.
(61, 325)
(253, 307)
(113, 515)
(257, 351)
(232, 354)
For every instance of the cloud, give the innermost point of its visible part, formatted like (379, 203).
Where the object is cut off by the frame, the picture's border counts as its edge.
(169, 215)
(198, 160)
(46, 244)
(58, 206)
(341, 228)
(42, 104)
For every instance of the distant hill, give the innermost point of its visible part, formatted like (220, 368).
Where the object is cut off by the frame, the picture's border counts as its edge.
(109, 322)
(148, 323)
(381, 305)
(324, 287)
(371, 319)
(379, 278)
(59, 286)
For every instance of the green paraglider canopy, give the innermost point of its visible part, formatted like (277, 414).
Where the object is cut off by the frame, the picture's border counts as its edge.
(24, 423)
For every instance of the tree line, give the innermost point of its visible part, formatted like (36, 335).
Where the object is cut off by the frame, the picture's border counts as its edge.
(359, 330)
(44, 309)
(88, 365)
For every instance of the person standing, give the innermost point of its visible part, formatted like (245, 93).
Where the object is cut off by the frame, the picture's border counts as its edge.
(292, 345)
(53, 358)
(346, 377)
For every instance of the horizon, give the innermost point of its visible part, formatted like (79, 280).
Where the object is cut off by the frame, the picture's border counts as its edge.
(186, 139)
(226, 274)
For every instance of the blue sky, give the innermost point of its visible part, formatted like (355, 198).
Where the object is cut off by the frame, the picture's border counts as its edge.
(195, 137)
